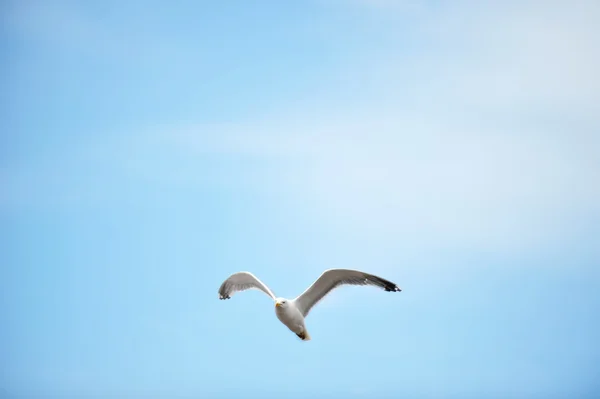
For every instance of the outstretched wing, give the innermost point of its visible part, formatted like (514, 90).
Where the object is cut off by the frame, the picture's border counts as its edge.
(333, 278)
(242, 281)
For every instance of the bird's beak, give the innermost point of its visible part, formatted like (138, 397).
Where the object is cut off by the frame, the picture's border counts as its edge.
(277, 304)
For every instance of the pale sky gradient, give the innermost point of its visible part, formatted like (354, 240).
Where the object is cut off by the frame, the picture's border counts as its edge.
(150, 149)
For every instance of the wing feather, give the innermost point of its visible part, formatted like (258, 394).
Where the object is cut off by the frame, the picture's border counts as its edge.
(334, 278)
(242, 281)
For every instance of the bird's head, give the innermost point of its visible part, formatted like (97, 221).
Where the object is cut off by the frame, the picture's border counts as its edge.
(281, 303)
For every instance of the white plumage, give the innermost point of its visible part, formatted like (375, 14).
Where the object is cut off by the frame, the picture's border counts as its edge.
(293, 312)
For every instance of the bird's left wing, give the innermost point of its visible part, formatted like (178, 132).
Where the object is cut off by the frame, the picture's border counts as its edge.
(242, 281)
(333, 278)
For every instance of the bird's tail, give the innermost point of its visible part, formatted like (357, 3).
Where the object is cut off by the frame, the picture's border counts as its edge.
(304, 335)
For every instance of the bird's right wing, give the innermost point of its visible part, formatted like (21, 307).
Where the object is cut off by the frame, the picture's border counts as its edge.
(242, 281)
(333, 278)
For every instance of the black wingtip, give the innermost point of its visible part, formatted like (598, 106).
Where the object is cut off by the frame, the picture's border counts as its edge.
(392, 288)
(224, 297)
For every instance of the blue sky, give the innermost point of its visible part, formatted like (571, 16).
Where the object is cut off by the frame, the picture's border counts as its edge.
(149, 150)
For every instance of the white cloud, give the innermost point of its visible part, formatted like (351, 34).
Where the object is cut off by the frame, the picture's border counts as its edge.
(409, 178)
(500, 57)
(486, 137)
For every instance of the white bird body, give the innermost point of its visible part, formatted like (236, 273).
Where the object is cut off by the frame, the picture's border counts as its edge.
(293, 312)
(288, 313)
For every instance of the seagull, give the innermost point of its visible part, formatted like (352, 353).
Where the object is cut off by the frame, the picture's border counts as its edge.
(292, 312)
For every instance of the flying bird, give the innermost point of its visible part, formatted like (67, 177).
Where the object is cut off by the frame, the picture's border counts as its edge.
(292, 312)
